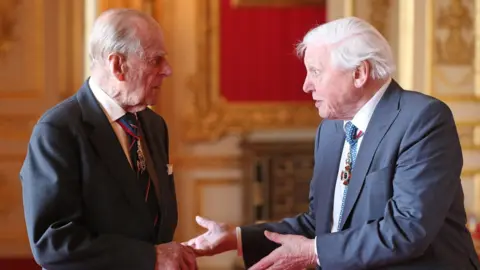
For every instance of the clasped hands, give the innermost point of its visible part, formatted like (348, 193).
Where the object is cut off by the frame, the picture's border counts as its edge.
(175, 256)
(295, 251)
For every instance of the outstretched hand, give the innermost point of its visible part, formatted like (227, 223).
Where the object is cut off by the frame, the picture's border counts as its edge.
(295, 253)
(219, 238)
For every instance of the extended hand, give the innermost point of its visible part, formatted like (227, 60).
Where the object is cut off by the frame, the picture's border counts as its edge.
(295, 252)
(219, 238)
(174, 256)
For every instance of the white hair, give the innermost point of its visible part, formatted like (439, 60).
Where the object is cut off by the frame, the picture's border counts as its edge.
(116, 31)
(351, 41)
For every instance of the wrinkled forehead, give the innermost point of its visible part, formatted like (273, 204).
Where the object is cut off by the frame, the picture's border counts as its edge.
(317, 55)
(154, 41)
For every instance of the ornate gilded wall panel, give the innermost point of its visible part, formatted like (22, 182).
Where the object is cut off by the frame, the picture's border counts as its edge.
(452, 75)
(383, 15)
(211, 116)
(378, 12)
(452, 49)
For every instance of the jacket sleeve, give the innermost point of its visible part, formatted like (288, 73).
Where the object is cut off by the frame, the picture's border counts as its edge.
(52, 198)
(255, 245)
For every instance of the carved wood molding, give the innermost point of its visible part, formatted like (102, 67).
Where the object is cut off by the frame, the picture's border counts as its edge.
(207, 162)
(7, 24)
(277, 3)
(213, 116)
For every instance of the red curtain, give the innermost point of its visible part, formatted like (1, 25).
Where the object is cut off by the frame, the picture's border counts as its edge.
(257, 51)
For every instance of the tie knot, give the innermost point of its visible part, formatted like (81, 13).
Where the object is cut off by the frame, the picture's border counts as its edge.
(351, 133)
(129, 123)
(129, 118)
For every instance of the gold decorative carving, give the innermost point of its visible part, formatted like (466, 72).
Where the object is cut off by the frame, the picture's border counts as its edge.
(450, 50)
(469, 133)
(468, 173)
(455, 49)
(379, 14)
(212, 115)
(277, 3)
(7, 24)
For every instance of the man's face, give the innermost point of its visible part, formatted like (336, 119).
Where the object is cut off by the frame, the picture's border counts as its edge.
(145, 74)
(332, 88)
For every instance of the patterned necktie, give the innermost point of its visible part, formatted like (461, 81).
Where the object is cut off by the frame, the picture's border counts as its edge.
(351, 137)
(130, 125)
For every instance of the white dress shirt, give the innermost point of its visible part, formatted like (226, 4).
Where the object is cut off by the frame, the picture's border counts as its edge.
(113, 111)
(360, 120)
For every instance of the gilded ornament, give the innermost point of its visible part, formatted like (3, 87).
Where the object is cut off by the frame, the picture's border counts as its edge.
(457, 22)
(7, 24)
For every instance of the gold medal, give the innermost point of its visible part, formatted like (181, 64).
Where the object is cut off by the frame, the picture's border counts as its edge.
(141, 158)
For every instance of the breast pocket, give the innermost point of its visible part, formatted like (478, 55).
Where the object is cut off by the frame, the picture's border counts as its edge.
(378, 189)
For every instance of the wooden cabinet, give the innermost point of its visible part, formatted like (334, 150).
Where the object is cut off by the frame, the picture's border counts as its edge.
(276, 179)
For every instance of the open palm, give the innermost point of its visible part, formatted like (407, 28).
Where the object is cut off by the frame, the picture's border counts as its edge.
(219, 237)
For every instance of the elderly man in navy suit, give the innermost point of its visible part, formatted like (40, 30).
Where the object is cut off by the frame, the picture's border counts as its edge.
(98, 190)
(385, 191)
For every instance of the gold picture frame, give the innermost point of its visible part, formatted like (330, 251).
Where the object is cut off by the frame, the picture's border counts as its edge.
(213, 116)
(276, 3)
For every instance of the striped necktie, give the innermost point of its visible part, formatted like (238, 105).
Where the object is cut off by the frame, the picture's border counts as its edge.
(130, 125)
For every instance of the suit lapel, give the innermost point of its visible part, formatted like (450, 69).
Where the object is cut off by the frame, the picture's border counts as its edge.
(385, 113)
(331, 144)
(158, 160)
(109, 149)
(151, 161)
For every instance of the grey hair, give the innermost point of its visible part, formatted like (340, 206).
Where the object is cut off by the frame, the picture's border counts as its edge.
(351, 41)
(116, 31)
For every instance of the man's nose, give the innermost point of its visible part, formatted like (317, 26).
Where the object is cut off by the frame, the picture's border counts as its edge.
(167, 69)
(307, 86)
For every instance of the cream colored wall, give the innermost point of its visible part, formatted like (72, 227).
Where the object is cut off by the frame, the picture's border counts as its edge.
(39, 66)
(208, 174)
(89, 16)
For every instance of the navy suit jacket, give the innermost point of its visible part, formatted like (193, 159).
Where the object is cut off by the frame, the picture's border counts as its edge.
(82, 207)
(405, 204)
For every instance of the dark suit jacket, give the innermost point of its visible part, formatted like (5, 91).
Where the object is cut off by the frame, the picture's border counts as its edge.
(405, 204)
(83, 209)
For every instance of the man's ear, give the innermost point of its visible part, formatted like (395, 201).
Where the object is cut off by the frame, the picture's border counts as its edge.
(361, 74)
(117, 65)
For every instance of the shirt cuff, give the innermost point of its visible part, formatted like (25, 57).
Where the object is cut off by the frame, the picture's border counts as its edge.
(316, 254)
(239, 242)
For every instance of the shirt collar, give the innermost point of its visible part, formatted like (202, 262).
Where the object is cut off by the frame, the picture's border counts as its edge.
(363, 116)
(109, 106)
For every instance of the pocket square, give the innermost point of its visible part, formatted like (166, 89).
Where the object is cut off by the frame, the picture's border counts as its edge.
(169, 169)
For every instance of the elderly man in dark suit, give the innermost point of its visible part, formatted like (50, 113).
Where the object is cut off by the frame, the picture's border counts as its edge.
(98, 189)
(385, 191)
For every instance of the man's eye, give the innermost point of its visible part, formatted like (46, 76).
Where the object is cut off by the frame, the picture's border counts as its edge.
(315, 72)
(156, 60)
